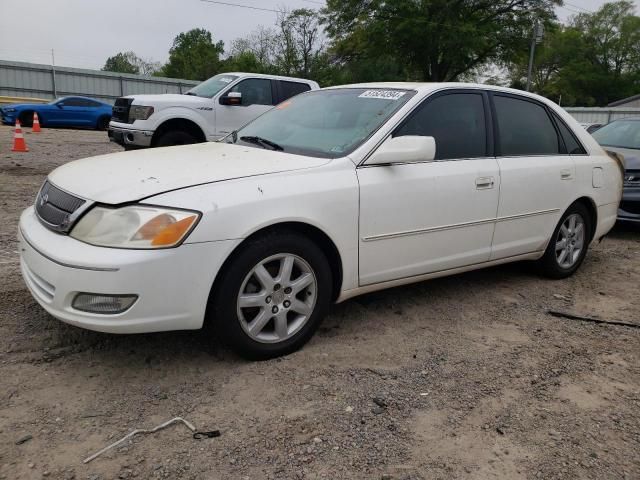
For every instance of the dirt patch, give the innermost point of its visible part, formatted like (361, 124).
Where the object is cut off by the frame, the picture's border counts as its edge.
(474, 378)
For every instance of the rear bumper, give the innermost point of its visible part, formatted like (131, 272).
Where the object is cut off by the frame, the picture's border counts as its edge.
(129, 136)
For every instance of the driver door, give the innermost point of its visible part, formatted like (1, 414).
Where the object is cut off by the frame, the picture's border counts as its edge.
(257, 97)
(425, 217)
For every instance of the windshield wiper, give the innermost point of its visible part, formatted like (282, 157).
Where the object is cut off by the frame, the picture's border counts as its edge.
(190, 93)
(262, 142)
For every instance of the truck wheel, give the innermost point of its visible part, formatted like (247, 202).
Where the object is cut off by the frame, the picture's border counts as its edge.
(178, 137)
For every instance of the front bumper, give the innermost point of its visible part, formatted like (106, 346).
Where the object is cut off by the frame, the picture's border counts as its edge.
(629, 210)
(172, 285)
(8, 119)
(130, 137)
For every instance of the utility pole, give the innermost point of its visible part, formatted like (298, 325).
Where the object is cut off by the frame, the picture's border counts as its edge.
(53, 74)
(536, 37)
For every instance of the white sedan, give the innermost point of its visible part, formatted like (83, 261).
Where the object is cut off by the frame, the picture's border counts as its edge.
(332, 194)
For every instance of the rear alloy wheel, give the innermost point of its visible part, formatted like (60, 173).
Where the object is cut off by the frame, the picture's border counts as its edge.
(568, 246)
(272, 296)
(103, 123)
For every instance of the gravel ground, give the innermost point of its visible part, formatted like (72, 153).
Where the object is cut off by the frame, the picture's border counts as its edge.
(463, 377)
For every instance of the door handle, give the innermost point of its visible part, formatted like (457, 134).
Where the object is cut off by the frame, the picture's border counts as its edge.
(484, 183)
(566, 175)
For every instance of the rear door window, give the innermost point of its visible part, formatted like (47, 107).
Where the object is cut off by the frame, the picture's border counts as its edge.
(524, 128)
(291, 89)
(455, 120)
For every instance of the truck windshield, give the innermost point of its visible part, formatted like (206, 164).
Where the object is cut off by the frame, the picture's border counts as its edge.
(210, 87)
(323, 123)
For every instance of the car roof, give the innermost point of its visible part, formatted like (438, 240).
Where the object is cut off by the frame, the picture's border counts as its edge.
(426, 87)
(264, 75)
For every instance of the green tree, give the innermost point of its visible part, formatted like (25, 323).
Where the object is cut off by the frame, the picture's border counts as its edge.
(123, 62)
(592, 61)
(194, 56)
(431, 40)
(129, 62)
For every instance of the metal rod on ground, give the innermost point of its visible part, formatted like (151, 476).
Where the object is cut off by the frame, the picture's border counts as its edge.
(137, 431)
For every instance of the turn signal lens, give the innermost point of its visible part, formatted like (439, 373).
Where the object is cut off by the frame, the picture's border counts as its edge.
(172, 234)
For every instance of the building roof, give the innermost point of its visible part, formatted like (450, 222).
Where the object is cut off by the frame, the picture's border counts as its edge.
(624, 101)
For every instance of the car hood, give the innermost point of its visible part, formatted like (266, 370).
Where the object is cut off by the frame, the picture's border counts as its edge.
(167, 99)
(129, 176)
(631, 156)
(21, 105)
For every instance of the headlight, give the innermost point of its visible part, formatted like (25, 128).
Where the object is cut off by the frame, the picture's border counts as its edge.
(139, 112)
(136, 226)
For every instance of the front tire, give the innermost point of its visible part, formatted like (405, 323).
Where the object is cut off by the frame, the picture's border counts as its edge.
(177, 137)
(272, 295)
(103, 123)
(26, 119)
(569, 243)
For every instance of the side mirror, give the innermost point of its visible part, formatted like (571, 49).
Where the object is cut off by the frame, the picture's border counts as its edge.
(407, 149)
(232, 98)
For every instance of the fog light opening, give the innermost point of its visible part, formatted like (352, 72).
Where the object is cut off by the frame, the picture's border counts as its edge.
(104, 304)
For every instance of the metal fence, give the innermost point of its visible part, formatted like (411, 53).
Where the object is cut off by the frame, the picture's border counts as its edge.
(601, 115)
(45, 81)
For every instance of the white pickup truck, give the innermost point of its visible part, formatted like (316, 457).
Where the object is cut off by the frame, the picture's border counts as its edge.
(207, 112)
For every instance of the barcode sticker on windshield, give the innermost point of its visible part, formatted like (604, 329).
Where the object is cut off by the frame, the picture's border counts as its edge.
(382, 94)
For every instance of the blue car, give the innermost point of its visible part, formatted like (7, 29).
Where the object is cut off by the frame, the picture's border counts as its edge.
(63, 112)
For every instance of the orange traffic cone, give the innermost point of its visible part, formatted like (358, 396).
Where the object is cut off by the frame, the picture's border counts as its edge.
(36, 123)
(19, 144)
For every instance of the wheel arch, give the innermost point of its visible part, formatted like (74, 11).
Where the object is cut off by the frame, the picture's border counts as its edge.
(591, 207)
(315, 234)
(181, 124)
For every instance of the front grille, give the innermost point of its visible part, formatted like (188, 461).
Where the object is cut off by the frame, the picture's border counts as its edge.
(121, 110)
(54, 207)
(632, 178)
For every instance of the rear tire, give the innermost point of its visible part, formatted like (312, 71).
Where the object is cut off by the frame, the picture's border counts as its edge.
(103, 123)
(272, 295)
(568, 245)
(177, 137)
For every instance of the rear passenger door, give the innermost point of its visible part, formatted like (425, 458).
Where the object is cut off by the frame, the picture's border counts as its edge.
(537, 175)
(258, 96)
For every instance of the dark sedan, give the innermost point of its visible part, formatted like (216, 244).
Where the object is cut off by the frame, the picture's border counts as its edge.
(63, 112)
(623, 136)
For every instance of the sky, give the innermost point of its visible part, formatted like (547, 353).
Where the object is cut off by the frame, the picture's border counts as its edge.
(84, 33)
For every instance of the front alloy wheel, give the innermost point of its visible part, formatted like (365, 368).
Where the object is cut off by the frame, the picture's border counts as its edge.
(271, 295)
(277, 298)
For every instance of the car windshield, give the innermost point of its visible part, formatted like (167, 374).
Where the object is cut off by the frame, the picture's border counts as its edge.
(53, 102)
(323, 123)
(210, 87)
(621, 133)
